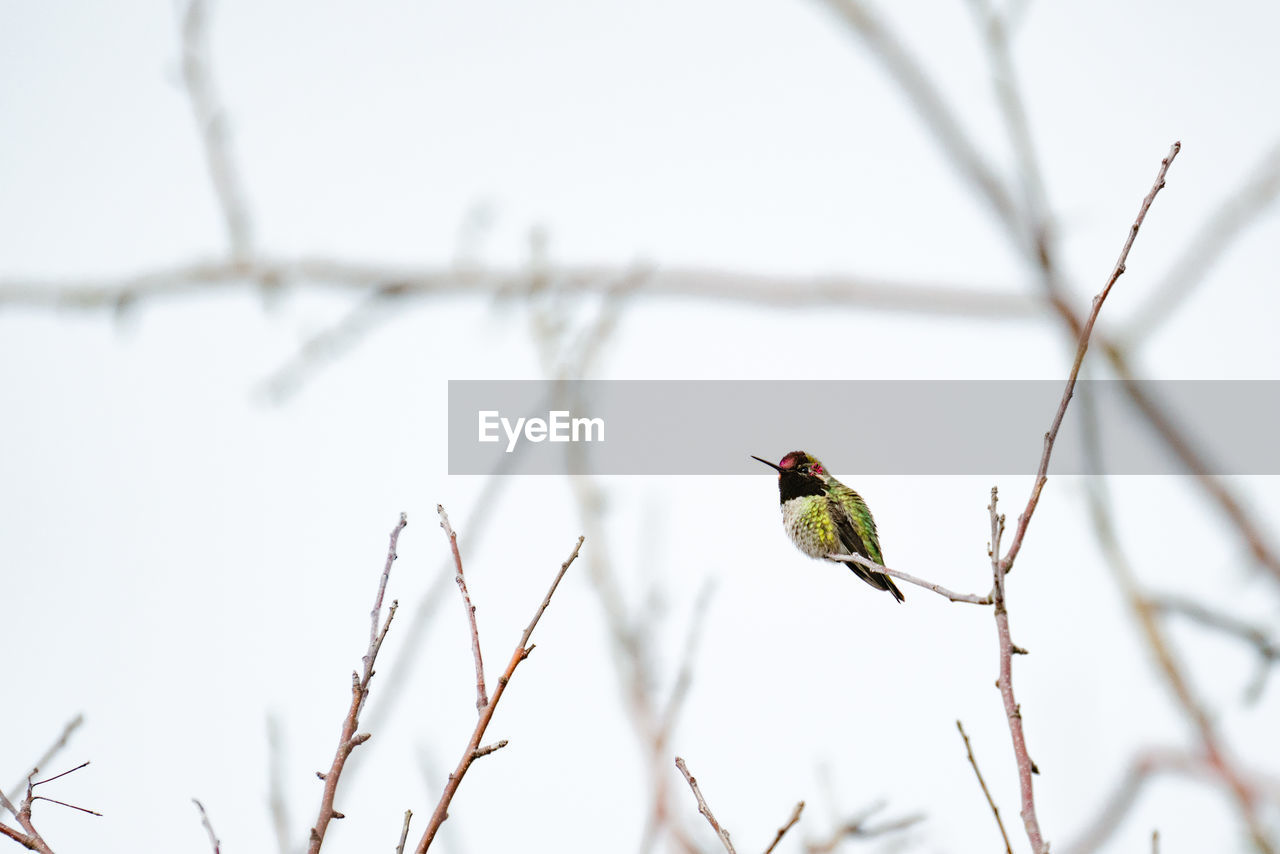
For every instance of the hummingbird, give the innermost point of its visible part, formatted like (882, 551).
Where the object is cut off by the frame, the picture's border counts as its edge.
(822, 516)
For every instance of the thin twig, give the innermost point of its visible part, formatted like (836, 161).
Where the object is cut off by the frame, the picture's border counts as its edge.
(1042, 474)
(703, 808)
(32, 839)
(1240, 209)
(908, 72)
(971, 598)
(995, 810)
(404, 831)
(70, 727)
(482, 697)
(1012, 710)
(349, 740)
(469, 755)
(782, 831)
(208, 827)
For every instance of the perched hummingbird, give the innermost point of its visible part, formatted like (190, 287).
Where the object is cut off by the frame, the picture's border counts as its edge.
(822, 516)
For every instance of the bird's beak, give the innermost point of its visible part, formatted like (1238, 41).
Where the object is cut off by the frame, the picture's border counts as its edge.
(769, 464)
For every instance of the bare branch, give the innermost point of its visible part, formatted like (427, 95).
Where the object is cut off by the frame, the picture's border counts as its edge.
(54, 749)
(482, 697)
(1042, 475)
(32, 839)
(1224, 226)
(208, 827)
(211, 124)
(995, 810)
(703, 808)
(469, 755)
(404, 831)
(782, 831)
(1012, 710)
(911, 579)
(349, 739)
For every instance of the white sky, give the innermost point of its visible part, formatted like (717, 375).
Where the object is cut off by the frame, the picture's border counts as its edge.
(179, 559)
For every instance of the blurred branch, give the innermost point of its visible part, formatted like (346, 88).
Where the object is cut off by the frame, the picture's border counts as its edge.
(782, 831)
(703, 808)
(371, 309)
(53, 750)
(277, 802)
(208, 827)
(1267, 649)
(473, 750)
(930, 105)
(1144, 766)
(350, 739)
(211, 124)
(1216, 755)
(995, 30)
(1224, 226)
(1012, 711)
(971, 598)
(385, 281)
(482, 697)
(1042, 475)
(995, 810)
(856, 828)
(906, 70)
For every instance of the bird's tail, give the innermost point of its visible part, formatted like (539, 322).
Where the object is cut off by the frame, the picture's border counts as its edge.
(878, 580)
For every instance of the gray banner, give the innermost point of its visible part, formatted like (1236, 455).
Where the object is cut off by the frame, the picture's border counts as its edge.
(708, 427)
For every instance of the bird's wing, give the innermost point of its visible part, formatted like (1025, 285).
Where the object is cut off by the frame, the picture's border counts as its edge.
(857, 530)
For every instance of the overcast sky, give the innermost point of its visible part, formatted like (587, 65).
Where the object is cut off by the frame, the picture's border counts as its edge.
(181, 557)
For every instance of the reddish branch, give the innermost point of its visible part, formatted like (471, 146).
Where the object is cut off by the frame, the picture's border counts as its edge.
(482, 697)
(32, 839)
(1004, 682)
(1042, 475)
(473, 750)
(53, 750)
(349, 740)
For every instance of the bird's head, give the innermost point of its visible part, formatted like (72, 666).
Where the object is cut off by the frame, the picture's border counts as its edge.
(797, 463)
